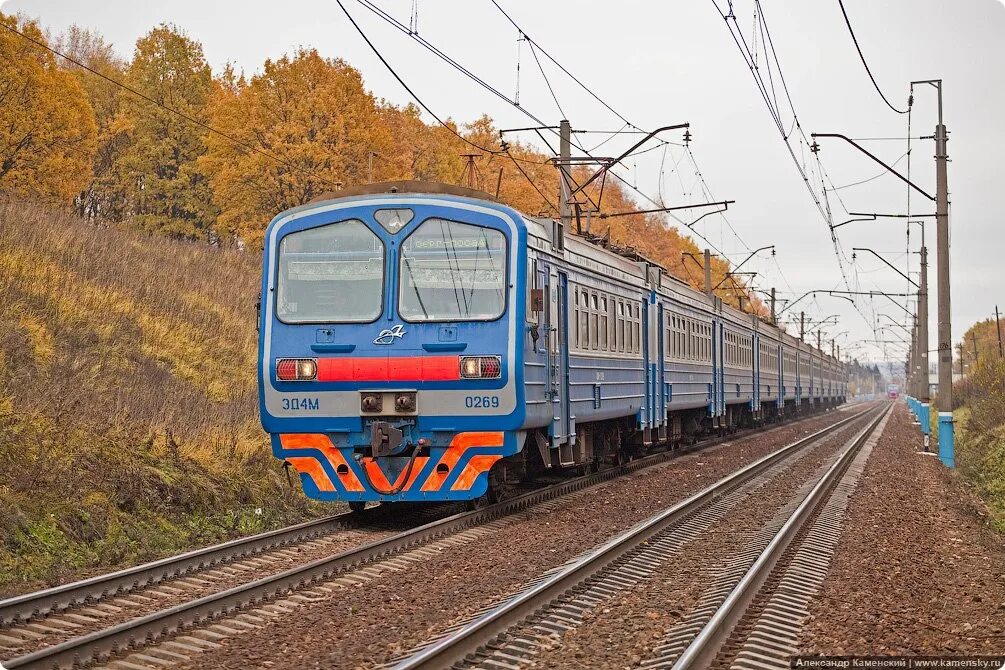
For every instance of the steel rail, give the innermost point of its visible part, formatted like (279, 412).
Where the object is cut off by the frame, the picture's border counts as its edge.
(713, 636)
(475, 635)
(103, 643)
(24, 608)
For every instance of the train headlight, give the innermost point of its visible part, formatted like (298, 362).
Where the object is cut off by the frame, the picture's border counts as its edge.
(481, 367)
(296, 369)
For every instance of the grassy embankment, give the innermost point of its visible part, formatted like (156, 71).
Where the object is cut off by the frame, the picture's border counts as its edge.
(980, 434)
(128, 425)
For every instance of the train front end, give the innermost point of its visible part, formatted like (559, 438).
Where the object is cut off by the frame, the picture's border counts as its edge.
(388, 345)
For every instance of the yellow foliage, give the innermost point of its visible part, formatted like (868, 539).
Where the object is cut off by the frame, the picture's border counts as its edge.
(316, 125)
(47, 129)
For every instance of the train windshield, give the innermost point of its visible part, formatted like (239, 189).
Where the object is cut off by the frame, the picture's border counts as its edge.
(452, 271)
(332, 273)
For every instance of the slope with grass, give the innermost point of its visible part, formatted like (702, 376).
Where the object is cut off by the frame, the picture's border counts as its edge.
(128, 425)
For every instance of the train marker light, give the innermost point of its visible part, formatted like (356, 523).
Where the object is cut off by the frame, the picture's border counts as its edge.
(393, 220)
(481, 367)
(296, 369)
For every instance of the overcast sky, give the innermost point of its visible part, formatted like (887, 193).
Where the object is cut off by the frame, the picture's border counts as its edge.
(669, 62)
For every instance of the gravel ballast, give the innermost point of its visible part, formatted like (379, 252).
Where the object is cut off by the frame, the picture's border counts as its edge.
(918, 570)
(627, 629)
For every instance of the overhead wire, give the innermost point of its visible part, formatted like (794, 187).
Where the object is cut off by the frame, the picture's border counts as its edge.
(821, 201)
(429, 111)
(635, 128)
(544, 76)
(865, 63)
(873, 178)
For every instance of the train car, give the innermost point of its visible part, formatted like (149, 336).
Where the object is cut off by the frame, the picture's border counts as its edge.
(421, 341)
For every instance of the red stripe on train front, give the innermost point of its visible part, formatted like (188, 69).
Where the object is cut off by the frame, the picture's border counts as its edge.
(389, 369)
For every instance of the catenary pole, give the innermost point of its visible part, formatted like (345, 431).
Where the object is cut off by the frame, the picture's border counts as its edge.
(998, 325)
(564, 182)
(947, 447)
(947, 437)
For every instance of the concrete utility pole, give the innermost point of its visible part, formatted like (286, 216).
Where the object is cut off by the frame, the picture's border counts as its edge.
(774, 320)
(947, 447)
(998, 325)
(565, 181)
(802, 325)
(708, 272)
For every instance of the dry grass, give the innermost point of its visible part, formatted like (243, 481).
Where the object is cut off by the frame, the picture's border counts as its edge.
(128, 424)
(980, 433)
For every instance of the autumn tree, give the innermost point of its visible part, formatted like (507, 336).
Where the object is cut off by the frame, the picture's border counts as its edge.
(156, 172)
(103, 196)
(47, 128)
(428, 152)
(314, 126)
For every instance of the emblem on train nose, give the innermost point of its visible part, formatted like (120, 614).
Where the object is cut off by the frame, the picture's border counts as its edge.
(389, 335)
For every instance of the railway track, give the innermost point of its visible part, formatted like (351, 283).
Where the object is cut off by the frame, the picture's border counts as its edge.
(512, 633)
(77, 610)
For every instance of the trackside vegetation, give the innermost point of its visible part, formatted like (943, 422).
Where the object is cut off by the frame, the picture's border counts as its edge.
(128, 425)
(980, 430)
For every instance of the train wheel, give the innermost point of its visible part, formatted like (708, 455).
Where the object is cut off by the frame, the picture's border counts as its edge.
(357, 506)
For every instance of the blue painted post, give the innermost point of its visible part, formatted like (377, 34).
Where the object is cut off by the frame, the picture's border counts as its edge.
(947, 446)
(926, 424)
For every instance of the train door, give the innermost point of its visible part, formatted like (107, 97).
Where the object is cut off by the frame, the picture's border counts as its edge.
(718, 371)
(647, 405)
(557, 289)
(799, 377)
(755, 368)
(659, 328)
(781, 377)
(713, 406)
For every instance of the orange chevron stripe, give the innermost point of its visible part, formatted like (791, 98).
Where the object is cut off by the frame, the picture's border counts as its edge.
(478, 439)
(449, 458)
(458, 445)
(380, 481)
(477, 465)
(322, 442)
(309, 466)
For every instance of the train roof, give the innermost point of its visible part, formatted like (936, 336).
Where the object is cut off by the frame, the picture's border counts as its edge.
(407, 186)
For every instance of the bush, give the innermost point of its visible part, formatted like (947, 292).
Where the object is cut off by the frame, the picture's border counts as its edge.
(981, 438)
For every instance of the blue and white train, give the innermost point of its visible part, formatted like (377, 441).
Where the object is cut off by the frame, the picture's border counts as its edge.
(420, 341)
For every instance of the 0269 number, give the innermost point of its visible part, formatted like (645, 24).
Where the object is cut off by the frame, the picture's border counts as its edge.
(481, 401)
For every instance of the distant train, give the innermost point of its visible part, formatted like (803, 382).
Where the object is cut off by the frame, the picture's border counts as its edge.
(892, 391)
(420, 341)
